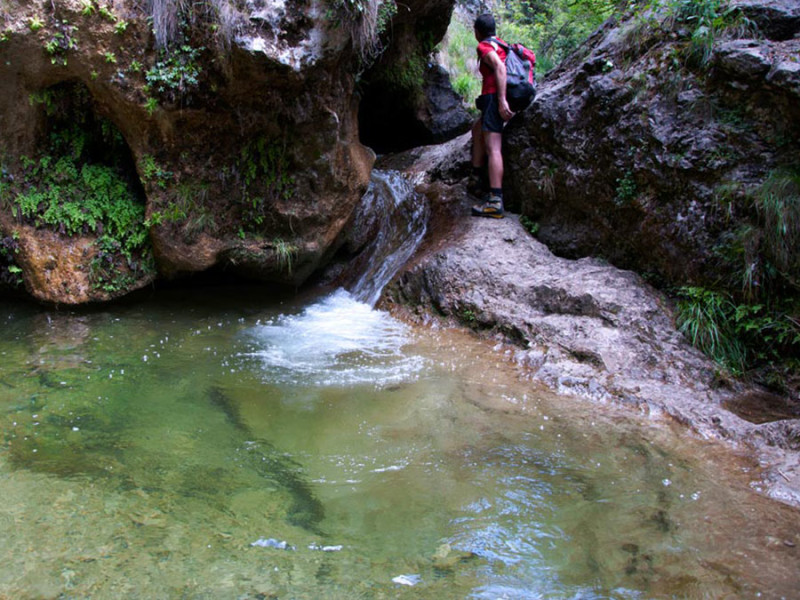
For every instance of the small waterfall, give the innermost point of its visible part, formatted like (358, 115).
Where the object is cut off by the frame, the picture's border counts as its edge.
(337, 341)
(341, 339)
(395, 217)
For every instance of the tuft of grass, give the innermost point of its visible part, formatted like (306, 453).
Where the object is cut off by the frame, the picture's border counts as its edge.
(778, 203)
(285, 253)
(704, 317)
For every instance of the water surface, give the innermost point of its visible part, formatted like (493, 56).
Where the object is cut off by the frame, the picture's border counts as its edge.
(207, 444)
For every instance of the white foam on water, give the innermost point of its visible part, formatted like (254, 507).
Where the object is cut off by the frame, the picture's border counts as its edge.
(338, 341)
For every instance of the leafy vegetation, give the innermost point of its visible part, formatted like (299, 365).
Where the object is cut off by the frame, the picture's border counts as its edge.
(264, 175)
(87, 8)
(778, 203)
(457, 55)
(83, 184)
(757, 328)
(176, 72)
(62, 40)
(10, 272)
(626, 191)
(698, 23)
(35, 24)
(740, 337)
(153, 173)
(530, 225)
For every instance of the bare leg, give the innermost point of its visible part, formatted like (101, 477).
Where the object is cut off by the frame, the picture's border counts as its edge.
(493, 143)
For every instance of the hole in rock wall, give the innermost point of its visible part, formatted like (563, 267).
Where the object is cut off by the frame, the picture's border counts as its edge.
(388, 122)
(393, 119)
(73, 134)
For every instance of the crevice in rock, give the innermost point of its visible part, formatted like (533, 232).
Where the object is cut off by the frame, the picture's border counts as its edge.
(393, 118)
(69, 123)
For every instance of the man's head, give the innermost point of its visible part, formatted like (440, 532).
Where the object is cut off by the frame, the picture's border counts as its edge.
(484, 26)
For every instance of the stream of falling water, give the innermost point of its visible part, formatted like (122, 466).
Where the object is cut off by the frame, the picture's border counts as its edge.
(207, 444)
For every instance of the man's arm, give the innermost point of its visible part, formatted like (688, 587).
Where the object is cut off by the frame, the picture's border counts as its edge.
(493, 60)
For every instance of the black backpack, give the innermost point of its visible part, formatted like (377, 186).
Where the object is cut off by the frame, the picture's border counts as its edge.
(520, 79)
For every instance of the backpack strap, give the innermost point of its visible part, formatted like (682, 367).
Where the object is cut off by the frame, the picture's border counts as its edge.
(495, 43)
(494, 40)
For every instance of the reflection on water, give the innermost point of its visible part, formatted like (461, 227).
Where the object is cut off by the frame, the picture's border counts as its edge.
(218, 449)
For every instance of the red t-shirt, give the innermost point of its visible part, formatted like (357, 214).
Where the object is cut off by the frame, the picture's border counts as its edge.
(489, 85)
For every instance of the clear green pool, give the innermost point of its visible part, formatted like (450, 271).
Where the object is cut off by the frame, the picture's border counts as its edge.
(205, 444)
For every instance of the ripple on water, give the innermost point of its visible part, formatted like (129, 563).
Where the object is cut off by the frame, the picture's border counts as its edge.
(463, 481)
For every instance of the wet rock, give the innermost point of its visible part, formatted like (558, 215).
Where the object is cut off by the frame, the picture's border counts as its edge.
(759, 406)
(744, 58)
(446, 558)
(58, 270)
(581, 326)
(446, 116)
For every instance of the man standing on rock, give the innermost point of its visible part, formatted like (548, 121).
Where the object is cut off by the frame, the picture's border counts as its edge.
(487, 132)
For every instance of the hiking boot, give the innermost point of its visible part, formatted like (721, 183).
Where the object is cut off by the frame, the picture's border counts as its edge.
(492, 208)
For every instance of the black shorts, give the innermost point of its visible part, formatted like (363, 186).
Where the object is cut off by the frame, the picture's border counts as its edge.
(490, 113)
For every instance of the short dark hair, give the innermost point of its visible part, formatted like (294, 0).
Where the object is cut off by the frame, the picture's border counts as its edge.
(485, 25)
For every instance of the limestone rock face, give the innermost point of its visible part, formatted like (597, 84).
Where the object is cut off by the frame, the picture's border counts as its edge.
(643, 150)
(239, 127)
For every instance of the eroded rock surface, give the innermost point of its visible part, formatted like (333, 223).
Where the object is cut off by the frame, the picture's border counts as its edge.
(242, 130)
